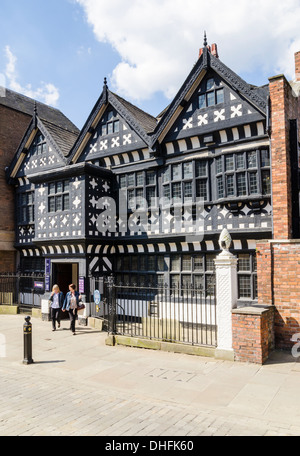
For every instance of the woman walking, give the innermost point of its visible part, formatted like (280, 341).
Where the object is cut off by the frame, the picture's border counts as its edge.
(57, 300)
(71, 304)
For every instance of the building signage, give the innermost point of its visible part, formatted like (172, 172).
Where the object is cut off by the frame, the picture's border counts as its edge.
(39, 285)
(81, 285)
(97, 297)
(47, 283)
(48, 266)
(47, 274)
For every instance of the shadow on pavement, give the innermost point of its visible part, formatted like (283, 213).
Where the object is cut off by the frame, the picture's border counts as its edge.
(49, 362)
(281, 357)
(80, 331)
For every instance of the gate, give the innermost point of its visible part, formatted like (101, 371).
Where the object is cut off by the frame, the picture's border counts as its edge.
(99, 310)
(184, 315)
(22, 289)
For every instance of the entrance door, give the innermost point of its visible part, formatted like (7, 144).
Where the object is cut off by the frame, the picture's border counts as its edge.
(64, 274)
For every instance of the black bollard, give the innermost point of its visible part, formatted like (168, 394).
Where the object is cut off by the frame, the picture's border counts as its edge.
(27, 342)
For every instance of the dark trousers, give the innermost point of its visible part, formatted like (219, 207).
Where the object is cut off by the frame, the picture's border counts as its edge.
(55, 317)
(72, 317)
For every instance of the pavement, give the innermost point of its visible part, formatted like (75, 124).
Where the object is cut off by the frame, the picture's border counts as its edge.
(78, 386)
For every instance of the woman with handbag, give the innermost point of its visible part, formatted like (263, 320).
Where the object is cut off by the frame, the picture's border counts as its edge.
(56, 301)
(71, 305)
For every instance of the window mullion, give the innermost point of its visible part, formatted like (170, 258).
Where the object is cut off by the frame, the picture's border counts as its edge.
(259, 179)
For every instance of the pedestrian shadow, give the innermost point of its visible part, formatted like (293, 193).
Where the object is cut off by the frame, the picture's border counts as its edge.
(80, 331)
(50, 362)
(83, 330)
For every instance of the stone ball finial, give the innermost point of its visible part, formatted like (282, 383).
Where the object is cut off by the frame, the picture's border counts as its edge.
(225, 240)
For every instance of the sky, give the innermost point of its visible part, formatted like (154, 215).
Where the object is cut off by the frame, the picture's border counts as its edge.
(59, 51)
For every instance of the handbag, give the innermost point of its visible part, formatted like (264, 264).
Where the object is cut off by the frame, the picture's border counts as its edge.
(81, 306)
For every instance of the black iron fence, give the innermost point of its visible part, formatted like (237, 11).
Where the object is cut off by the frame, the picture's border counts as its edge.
(183, 315)
(21, 289)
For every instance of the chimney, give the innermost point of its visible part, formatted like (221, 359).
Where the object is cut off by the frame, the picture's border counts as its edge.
(214, 50)
(297, 66)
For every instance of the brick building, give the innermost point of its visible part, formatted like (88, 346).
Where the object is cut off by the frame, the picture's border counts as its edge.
(16, 113)
(275, 322)
(210, 144)
(278, 259)
(230, 144)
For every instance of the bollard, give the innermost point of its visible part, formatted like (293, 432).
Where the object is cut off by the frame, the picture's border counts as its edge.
(27, 342)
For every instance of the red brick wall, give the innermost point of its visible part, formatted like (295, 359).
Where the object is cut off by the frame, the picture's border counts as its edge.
(253, 336)
(282, 286)
(7, 261)
(13, 125)
(264, 273)
(284, 107)
(278, 261)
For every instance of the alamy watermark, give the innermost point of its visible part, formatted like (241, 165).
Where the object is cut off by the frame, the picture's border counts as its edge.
(296, 347)
(157, 216)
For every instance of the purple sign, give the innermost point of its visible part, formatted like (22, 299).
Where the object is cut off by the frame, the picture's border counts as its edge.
(47, 266)
(47, 283)
(81, 285)
(47, 274)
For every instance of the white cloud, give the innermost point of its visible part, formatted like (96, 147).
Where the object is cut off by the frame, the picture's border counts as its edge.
(47, 93)
(158, 40)
(82, 51)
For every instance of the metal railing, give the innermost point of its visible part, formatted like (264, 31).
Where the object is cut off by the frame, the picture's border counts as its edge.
(21, 289)
(183, 315)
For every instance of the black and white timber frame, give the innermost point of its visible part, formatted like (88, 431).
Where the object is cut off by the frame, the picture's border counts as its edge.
(119, 140)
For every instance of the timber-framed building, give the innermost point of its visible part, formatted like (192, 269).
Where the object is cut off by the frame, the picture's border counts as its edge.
(211, 144)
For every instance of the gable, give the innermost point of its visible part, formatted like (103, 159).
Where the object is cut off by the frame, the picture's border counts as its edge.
(215, 105)
(41, 156)
(112, 136)
(181, 121)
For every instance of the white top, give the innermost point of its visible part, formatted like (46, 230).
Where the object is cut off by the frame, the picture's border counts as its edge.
(73, 303)
(55, 303)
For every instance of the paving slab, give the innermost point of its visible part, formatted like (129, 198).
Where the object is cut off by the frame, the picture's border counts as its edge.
(80, 386)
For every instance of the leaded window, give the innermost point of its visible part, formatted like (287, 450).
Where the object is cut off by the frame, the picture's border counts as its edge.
(141, 189)
(266, 182)
(201, 176)
(26, 207)
(141, 270)
(185, 182)
(247, 276)
(58, 196)
(185, 272)
(211, 93)
(182, 272)
(243, 174)
(39, 145)
(110, 123)
(189, 272)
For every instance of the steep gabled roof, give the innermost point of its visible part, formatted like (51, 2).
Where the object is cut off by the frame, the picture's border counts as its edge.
(64, 139)
(141, 122)
(257, 96)
(147, 121)
(19, 102)
(138, 120)
(59, 138)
